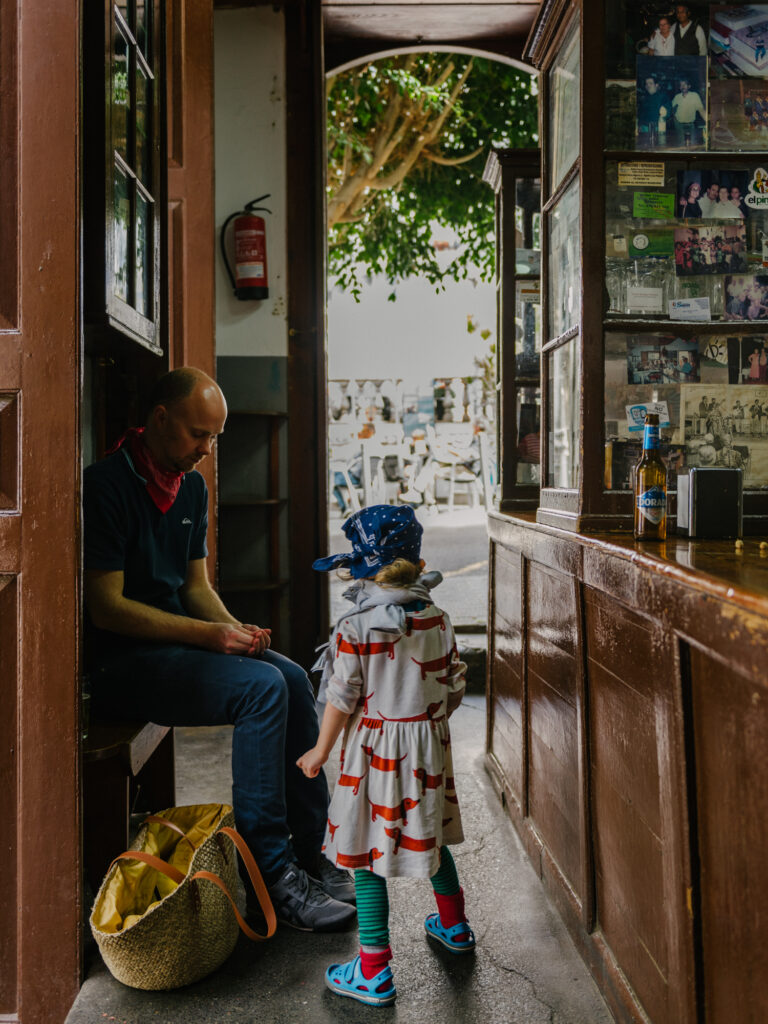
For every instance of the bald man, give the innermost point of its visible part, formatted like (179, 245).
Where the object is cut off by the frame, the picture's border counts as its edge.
(163, 646)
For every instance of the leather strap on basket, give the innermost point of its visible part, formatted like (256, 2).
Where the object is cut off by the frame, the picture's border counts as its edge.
(251, 867)
(154, 862)
(262, 895)
(171, 825)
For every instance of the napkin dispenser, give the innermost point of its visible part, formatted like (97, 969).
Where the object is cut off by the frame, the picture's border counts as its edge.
(709, 502)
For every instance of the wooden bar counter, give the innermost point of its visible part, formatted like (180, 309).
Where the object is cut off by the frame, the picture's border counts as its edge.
(628, 739)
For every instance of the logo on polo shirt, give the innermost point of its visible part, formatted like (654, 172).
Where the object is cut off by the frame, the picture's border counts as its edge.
(186, 521)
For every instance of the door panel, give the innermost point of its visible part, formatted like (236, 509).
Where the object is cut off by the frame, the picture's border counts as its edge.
(39, 510)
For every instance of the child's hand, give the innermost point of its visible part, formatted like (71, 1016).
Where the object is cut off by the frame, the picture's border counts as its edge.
(311, 762)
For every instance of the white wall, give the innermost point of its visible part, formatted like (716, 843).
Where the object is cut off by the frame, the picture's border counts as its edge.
(249, 83)
(419, 336)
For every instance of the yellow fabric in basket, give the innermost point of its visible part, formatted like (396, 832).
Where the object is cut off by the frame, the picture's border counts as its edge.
(133, 887)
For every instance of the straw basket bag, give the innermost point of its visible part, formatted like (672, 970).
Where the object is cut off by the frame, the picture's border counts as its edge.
(164, 915)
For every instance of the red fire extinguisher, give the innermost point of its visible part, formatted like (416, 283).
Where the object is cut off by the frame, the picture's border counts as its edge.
(249, 280)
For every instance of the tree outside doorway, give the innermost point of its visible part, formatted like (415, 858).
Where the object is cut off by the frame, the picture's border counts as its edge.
(411, 312)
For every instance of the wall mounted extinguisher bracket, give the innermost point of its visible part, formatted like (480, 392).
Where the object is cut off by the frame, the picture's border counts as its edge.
(249, 278)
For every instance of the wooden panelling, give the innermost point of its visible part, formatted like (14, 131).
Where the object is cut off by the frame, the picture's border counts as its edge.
(506, 690)
(623, 743)
(9, 699)
(551, 662)
(190, 223)
(553, 778)
(730, 732)
(41, 909)
(507, 746)
(9, 168)
(629, 876)
(508, 592)
(643, 690)
(635, 745)
(553, 729)
(552, 610)
(10, 416)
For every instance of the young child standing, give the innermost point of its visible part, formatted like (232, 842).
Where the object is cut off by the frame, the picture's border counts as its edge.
(391, 679)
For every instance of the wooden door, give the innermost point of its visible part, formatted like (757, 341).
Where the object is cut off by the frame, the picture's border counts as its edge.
(39, 510)
(191, 228)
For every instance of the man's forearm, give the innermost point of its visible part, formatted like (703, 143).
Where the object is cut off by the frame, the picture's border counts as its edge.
(145, 622)
(204, 603)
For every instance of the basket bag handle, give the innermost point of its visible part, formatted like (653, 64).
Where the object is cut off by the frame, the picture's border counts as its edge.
(250, 865)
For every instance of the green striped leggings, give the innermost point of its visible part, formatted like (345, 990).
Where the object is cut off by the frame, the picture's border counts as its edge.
(373, 900)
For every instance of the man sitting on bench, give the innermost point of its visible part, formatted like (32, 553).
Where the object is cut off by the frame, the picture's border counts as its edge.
(163, 647)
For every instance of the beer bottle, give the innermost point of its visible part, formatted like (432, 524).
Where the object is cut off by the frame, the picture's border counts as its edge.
(651, 486)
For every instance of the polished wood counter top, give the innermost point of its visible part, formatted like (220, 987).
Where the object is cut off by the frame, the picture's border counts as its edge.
(718, 568)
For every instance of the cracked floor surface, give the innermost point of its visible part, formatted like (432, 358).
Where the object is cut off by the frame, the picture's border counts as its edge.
(525, 969)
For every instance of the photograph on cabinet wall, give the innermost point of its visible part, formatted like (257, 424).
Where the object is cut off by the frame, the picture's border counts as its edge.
(658, 360)
(738, 41)
(746, 297)
(655, 30)
(738, 71)
(711, 249)
(712, 194)
(727, 426)
(671, 103)
(752, 360)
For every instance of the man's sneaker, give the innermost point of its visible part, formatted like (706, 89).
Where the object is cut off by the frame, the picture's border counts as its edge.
(300, 902)
(336, 882)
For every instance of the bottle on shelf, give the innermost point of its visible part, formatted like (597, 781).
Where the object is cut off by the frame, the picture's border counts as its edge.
(650, 488)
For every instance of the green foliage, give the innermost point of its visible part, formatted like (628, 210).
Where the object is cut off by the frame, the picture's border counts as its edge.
(387, 225)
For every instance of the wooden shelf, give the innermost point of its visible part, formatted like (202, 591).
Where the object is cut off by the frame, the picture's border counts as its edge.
(251, 480)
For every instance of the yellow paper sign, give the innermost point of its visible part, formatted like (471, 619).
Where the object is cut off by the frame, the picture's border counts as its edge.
(641, 172)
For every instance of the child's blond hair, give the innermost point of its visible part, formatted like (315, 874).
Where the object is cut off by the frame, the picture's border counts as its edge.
(400, 573)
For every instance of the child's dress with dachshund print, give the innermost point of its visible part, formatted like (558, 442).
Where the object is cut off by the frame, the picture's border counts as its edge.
(394, 804)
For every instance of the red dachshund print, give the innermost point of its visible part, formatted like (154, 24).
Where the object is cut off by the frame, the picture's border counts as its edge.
(428, 781)
(447, 821)
(393, 813)
(351, 780)
(425, 716)
(384, 764)
(369, 723)
(364, 650)
(358, 860)
(407, 843)
(417, 624)
(332, 828)
(435, 666)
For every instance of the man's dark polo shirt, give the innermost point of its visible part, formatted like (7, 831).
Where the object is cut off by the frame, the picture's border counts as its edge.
(124, 530)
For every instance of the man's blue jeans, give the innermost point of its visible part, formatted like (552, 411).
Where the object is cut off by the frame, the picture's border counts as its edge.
(269, 700)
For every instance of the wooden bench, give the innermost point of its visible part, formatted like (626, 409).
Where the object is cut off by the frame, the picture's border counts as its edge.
(124, 764)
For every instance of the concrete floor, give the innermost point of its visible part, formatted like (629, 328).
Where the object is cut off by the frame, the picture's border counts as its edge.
(525, 968)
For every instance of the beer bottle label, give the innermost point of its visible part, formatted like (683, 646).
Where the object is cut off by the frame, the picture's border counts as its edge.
(652, 504)
(651, 437)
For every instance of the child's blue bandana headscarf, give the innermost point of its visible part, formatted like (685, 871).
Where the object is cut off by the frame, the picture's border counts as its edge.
(379, 534)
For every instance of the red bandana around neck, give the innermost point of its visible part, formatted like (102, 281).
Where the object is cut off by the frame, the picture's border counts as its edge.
(162, 487)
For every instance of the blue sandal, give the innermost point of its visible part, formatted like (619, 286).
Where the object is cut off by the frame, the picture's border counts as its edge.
(450, 937)
(348, 980)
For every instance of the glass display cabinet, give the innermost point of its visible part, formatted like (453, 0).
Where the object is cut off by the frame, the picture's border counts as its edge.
(514, 177)
(654, 250)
